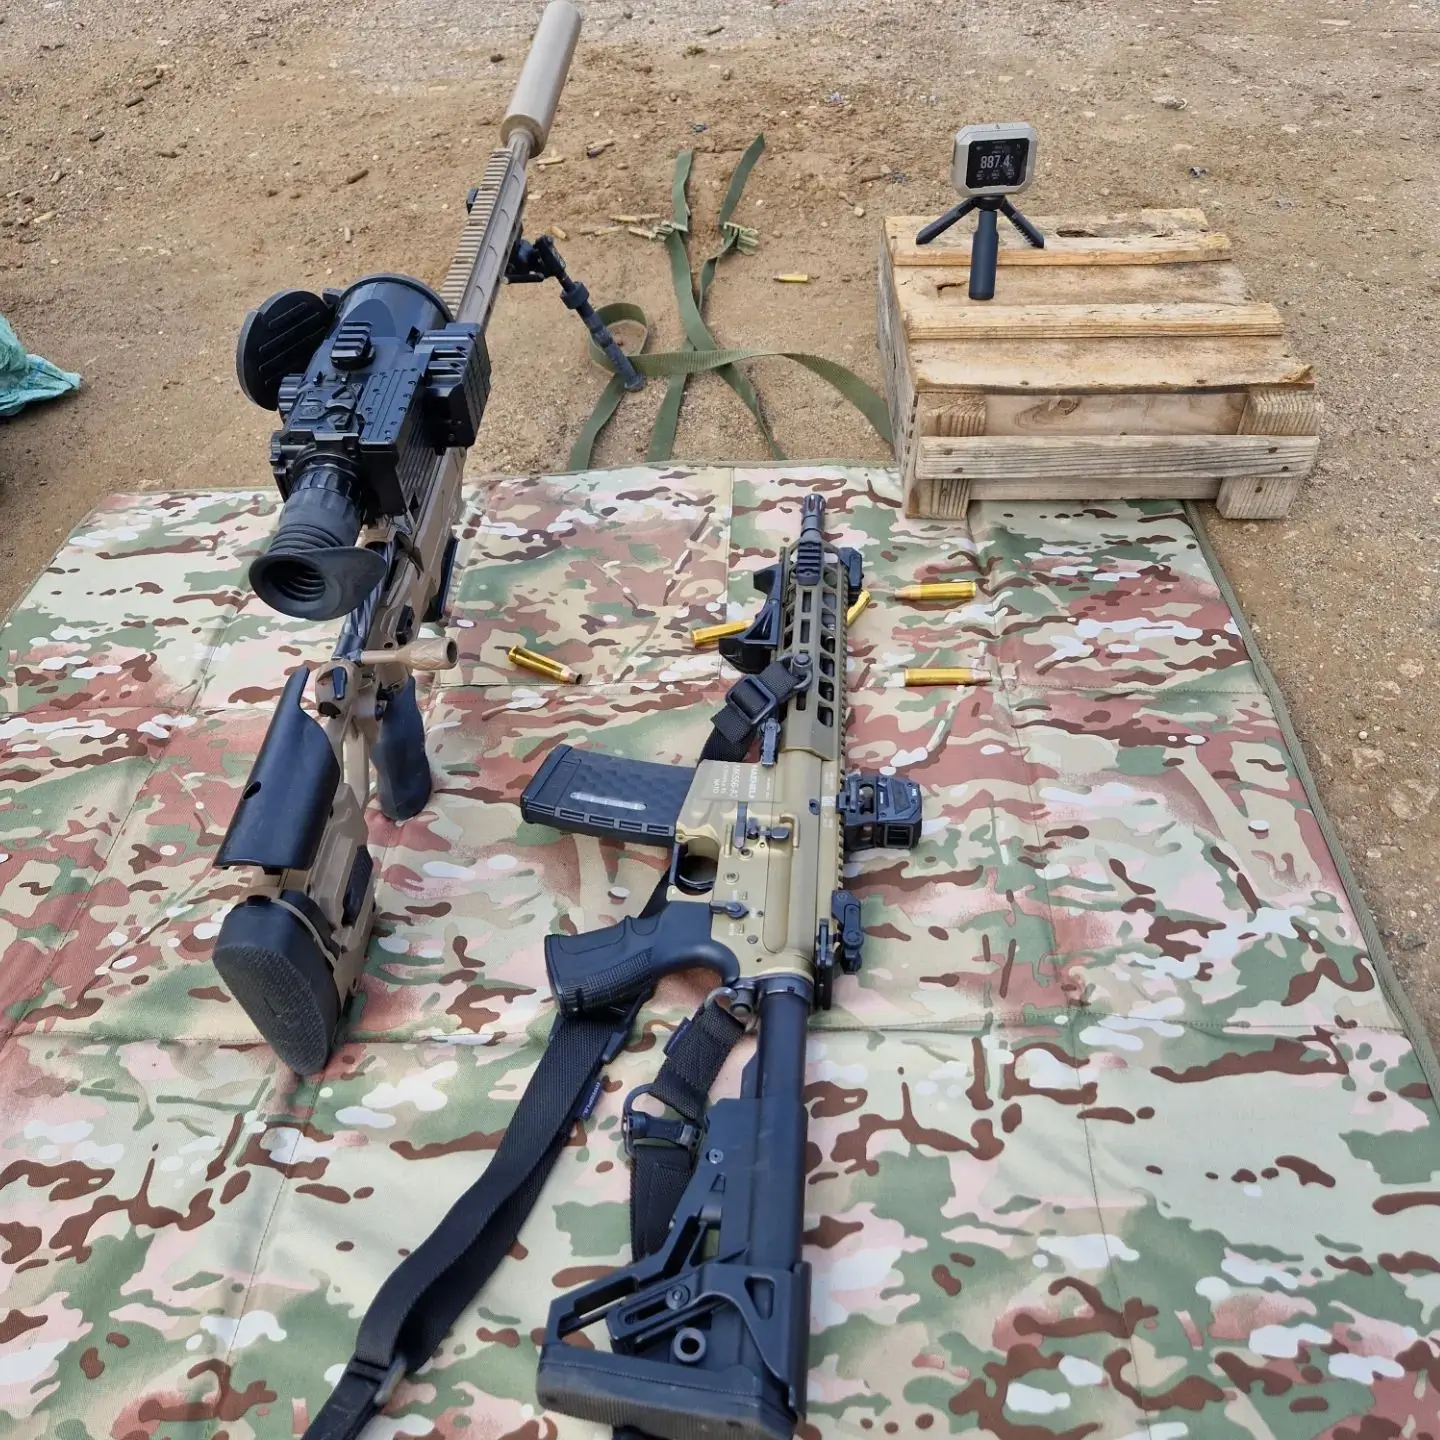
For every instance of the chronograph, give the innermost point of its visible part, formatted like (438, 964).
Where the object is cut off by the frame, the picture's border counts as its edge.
(991, 162)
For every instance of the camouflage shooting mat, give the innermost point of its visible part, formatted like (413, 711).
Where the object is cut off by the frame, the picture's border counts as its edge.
(1123, 1131)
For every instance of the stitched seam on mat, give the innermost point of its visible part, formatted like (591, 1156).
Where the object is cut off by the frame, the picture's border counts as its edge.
(1110, 1265)
(12, 1028)
(302, 1117)
(1390, 985)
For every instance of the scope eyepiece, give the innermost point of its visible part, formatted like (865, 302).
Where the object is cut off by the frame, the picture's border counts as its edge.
(313, 569)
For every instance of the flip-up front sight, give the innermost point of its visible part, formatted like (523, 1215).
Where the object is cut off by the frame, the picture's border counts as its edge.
(373, 383)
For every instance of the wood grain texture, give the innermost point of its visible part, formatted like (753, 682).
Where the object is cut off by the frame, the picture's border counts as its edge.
(1153, 238)
(961, 414)
(953, 317)
(1218, 282)
(1272, 411)
(1107, 460)
(1265, 499)
(938, 499)
(1178, 413)
(1139, 365)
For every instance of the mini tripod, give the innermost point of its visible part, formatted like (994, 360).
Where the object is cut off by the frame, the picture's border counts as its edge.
(985, 247)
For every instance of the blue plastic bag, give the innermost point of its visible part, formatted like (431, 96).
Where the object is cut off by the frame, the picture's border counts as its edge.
(27, 378)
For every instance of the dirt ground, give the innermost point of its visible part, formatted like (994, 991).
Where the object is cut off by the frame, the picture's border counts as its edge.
(168, 163)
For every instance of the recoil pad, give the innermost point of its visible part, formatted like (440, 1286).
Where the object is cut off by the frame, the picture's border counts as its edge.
(283, 980)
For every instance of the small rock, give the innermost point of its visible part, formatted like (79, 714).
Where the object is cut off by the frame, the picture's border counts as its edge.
(699, 128)
(1197, 172)
(1366, 757)
(496, 56)
(859, 212)
(693, 50)
(725, 73)
(272, 193)
(1170, 102)
(96, 135)
(357, 176)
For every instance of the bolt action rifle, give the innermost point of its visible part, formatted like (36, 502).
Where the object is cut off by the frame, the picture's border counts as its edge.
(381, 388)
(708, 1326)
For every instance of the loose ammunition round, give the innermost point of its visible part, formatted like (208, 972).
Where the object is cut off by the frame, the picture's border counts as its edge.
(858, 607)
(709, 634)
(541, 665)
(938, 590)
(951, 675)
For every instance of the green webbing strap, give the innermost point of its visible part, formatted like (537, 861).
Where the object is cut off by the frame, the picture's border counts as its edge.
(727, 209)
(701, 354)
(697, 333)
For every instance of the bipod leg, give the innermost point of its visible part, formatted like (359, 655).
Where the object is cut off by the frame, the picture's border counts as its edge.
(540, 260)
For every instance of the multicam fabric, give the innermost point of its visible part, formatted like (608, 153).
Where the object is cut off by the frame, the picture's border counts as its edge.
(1118, 1133)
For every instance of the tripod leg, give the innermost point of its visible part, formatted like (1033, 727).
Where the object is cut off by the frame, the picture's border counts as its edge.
(940, 226)
(1024, 226)
(984, 255)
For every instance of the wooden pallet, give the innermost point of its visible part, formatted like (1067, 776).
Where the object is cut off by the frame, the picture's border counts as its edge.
(1125, 360)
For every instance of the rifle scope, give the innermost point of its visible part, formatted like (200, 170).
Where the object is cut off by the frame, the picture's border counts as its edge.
(374, 384)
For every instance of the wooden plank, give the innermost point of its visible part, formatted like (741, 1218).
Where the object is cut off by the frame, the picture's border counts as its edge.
(1265, 499)
(962, 414)
(1218, 282)
(1067, 242)
(1269, 411)
(895, 366)
(1206, 412)
(1106, 366)
(960, 319)
(1031, 465)
(938, 499)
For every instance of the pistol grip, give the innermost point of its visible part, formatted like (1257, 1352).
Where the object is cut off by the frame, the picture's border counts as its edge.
(401, 767)
(604, 968)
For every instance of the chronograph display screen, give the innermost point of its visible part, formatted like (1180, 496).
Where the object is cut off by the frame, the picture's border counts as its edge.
(993, 159)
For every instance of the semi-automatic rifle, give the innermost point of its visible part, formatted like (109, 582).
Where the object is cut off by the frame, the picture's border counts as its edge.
(708, 1326)
(381, 388)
